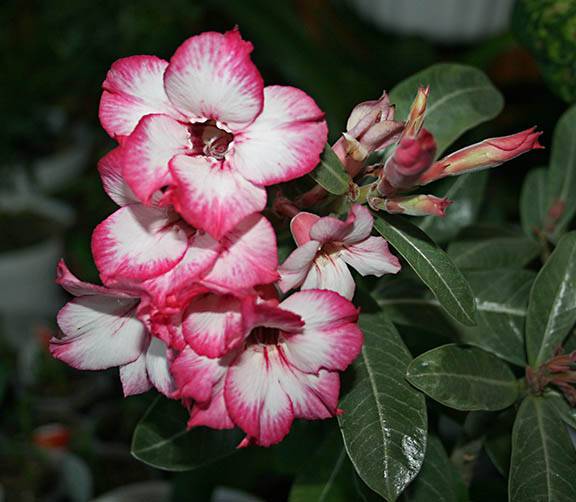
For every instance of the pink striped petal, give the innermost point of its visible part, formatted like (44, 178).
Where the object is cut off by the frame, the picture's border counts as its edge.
(330, 272)
(362, 222)
(212, 324)
(76, 287)
(157, 367)
(269, 315)
(212, 196)
(99, 332)
(285, 140)
(195, 375)
(371, 257)
(249, 257)
(296, 267)
(137, 242)
(211, 76)
(331, 338)
(212, 413)
(110, 170)
(134, 377)
(255, 399)
(300, 227)
(147, 153)
(331, 229)
(133, 88)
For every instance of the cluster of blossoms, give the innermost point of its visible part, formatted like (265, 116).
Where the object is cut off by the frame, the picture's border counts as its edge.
(192, 301)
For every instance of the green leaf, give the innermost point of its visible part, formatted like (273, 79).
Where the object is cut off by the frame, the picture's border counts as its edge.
(431, 264)
(501, 303)
(534, 202)
(330, 173)
(162, 440)
(464, 378)
(461, 97)
(498, 447)
(437, 480)
(467, 192)
(501, 252)
(384, 421)
(552, 306)
(562, 173)
(543, 458)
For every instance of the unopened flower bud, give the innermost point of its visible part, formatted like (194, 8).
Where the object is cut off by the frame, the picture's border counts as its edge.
(488, 153)
(411, 158)
(415, 205)
(368, 112)
(417, 111)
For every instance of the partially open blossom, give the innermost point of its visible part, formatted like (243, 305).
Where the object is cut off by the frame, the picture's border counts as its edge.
(417, 112)
(203, 134)
(326, 246)
(100, 330)
(488, 153)
(412, 157)
(413, 205)
(286, 368)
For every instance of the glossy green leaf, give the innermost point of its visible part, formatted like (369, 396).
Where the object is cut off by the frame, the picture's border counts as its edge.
(552, 306)
(431, 264)
(543, 457)
(562, 173)
(501, 303)
(162, 440)
(467, 192)
(464, 378)
(437, 480)
(461, 97)
(500, 252)
(534, 202)
(384, 421)
(330, 173)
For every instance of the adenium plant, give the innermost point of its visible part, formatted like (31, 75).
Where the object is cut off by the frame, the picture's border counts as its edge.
(195, 304)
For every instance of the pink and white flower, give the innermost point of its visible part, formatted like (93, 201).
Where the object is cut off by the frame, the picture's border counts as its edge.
(204, 133)
(100, 330)
(285, 368)
(326, 246)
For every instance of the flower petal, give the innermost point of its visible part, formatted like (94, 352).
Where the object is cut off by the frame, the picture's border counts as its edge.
(269, 315)
(134, 377)
(147, 153)
(212, 196)
(133, 88)
(137, 242)
(331, 338)
(330, 272)
(212, 413)
(76, 287)
(371, 257)
(362, 222)
(254, 397)
(110, 170)
(331, 229)
(296, 267)
(212, 324)
(249, 257)
(157, 367)
(99, 332)
(301, 225)
(211, 76)
(285, 140)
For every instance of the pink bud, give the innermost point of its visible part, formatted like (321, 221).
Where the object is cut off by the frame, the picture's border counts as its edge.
(488, 153)
(410, 159)
(369, 112)
(416, 205)
(417, 111)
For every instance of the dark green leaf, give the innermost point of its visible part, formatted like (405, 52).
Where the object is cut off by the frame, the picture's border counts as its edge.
(501, 303)
(534, 202)
(562, 173)
(432, 265)
(501, 252)
(552, 306)
(330, 173)
(384, 421)
(543, 458)
(461, 97)
(465, 378)
(499, 447)
(437, 480)
(162, 441)
(566, 412)
(467, 192)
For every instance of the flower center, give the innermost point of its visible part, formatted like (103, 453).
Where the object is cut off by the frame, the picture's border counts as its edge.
(210, 140)
(264, 336)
